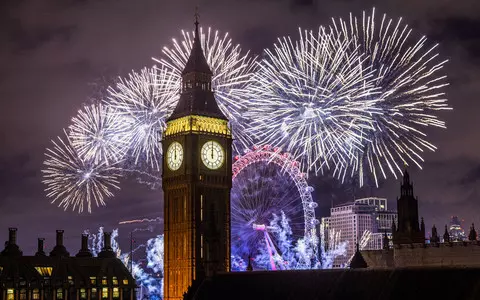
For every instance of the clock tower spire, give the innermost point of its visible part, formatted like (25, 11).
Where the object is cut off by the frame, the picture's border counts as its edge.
(197, 178)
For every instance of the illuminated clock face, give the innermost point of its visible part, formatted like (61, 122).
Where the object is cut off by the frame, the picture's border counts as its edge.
(213, 155)
(174, 156)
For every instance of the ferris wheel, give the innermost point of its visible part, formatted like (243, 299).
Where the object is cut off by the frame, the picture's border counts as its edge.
(266, 184)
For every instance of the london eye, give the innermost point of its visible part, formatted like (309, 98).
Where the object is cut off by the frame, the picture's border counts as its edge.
(273, 213)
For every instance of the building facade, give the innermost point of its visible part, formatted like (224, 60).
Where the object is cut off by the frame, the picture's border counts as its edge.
(364, 221)
(197, 178)
(59, 276)
(411, 249)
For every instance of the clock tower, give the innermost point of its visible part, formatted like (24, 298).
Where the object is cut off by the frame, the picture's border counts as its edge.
(197, 178)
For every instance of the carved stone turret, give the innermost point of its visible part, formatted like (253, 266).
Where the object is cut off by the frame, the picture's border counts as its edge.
(386, 241)
(446, 235)
(409, 230)
(434, 239)
(472, 235)
(249, 266)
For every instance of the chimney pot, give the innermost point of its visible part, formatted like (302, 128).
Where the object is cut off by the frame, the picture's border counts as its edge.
(40, 244)
(12, 236)
(107, 240)
(59, 237)
(84, 242)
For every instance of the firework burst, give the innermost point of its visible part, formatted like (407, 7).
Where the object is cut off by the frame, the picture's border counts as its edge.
(75, 182)
(232, 71)
(100, 135)
(312, 98)
(147, 98)
(408, 80)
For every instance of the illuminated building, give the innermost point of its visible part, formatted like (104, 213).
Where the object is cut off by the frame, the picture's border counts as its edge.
(456, 231)
(355, 220)
(60, 276)
(197, 178)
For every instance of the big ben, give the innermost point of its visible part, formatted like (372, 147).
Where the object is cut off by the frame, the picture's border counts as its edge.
(197, 178)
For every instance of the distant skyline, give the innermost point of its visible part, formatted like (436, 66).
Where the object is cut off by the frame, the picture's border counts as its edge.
(55, 56)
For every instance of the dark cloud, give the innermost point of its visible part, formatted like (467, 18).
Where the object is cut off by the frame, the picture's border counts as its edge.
(56, 55)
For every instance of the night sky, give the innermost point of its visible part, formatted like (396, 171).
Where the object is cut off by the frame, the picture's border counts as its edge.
(57, 54)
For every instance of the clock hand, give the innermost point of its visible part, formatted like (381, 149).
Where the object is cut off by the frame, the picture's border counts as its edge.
(212, 150)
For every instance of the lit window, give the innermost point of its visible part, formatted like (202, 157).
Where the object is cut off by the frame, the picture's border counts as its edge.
(44, 271)
(104, 293)
(116, 292)
(10, 294)
(23, 294)
(36, 294)
(83, 294)
(70, 280)
(115, 281)
(104, 281)
(59, 293)
(93, 280)
(125, 281)
(94, 293)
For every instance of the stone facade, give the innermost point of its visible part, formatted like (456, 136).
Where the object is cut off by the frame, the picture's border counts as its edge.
(455, 254)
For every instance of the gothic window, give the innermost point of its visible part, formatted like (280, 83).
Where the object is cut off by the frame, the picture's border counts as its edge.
(104, 293)
(104, 281)
(23, 294)
(83, 294)
(115, 281)
(116, 293)
(36, 294)
(94, 294)
(59, 293)
(10, 294)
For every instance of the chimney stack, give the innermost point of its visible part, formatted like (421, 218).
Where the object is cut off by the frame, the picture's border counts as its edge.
(59, 250)
(84, 242)
(84, 251)
(59, 237)
(107, 250)
(11, 247)
(12, 236)
(40, 250)
(107, 240)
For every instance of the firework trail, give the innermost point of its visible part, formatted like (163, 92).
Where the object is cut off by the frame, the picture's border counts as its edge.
(100, 135)
(331, 246)
(147, 98)
(313, 98)
(410, 86)
(75, 182)
(232, 70)
(145, 220)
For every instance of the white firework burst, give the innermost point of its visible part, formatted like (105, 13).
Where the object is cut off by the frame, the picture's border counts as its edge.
(312, 98)
(74, 182)
(99, 134)
(147, 98)
(409, 82)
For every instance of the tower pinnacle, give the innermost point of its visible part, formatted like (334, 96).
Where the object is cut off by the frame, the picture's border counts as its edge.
(197, 61)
